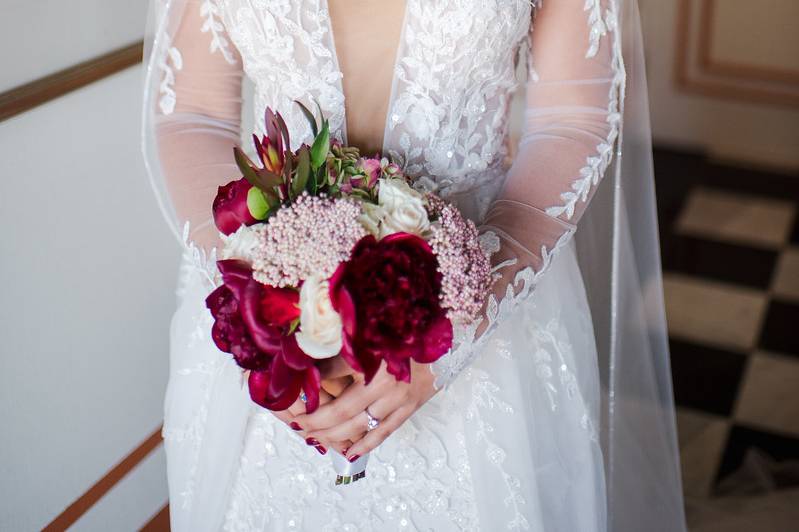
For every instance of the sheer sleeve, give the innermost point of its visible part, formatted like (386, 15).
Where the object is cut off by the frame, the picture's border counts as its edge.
(572, 119)
(198, 117)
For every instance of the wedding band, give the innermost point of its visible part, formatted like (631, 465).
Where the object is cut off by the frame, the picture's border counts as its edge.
(303, 397)
(372, 422)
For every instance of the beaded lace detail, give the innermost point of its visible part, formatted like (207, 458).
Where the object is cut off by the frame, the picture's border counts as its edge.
(447, 119)
(287, 50)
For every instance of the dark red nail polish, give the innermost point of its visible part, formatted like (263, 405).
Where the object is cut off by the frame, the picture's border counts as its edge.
(312, 441)
(295, 426)
(321, 449)
(353, 457)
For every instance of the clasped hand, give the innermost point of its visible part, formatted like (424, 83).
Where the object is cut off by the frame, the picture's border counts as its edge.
(341, 422)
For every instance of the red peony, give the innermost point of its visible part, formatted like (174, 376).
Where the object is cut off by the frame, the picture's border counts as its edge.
(230, 206)
(252, 322)
(388, 298)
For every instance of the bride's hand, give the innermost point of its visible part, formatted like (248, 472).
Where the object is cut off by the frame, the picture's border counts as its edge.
(331, 388)
(388, 400)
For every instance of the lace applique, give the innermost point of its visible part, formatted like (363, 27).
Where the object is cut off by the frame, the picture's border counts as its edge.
(466, 346)
(209, 11)
(196, 261)
(413, 474)
(550, 347)
(596, 165)
(286, 48)
(171, 61)
(447, 119)
(597, 28)
(486, 404)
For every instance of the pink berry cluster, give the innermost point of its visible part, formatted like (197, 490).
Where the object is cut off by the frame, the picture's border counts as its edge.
(312, 236)
(465, 268)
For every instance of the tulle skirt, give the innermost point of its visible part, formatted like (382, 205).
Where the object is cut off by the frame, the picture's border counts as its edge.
(511, 444)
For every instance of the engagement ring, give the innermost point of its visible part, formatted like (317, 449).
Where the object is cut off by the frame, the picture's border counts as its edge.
(372, 422)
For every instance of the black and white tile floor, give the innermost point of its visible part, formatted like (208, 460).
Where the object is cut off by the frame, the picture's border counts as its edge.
(730, 240)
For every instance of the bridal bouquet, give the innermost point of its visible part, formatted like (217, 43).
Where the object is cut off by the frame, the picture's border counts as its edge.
(328, 253)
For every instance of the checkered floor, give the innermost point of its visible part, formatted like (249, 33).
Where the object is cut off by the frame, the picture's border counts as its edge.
(730, 240)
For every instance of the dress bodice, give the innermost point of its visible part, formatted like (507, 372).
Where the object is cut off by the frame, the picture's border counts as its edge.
(453, 78)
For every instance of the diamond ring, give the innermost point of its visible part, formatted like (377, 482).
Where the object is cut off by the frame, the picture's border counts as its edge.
(372, 422)
(303, 397)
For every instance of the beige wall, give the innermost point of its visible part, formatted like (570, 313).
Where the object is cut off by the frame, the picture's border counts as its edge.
(740, 98)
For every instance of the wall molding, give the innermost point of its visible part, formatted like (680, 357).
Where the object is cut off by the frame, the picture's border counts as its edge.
(30, 95)
(697, 71)
(85, 502)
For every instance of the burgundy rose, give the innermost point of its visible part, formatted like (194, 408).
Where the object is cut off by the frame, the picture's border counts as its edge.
(252, 322)
(388, 298)
(230, 207)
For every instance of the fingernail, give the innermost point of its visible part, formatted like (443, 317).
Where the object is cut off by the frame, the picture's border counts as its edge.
(344, 451)
(312, 441)
(353, 457)
(321, 449)
(295, 426)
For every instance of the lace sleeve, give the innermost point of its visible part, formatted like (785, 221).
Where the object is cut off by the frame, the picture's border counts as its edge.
(572, 118)
(198, 116)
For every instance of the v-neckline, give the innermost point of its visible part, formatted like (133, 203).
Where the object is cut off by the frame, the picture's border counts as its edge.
(398, 56)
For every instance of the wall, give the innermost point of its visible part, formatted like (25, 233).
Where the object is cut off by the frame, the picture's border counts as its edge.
(89, 272)
(728, 122)
(39, 37)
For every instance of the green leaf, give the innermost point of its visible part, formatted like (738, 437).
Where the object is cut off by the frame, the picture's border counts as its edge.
(293, 326)
(309, 116)
(257, 204)
(257, 177)
(246, 166)
(321, 145)
(303, 171)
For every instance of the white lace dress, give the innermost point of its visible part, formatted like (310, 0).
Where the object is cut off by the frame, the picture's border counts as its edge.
(511, 442)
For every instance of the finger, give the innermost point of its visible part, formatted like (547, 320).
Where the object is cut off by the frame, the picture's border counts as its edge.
(352, 401)
(377, 436)
(321, 444)
(355, 427)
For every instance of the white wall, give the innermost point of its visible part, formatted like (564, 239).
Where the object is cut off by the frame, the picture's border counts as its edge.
(88, 271)
(39, 37)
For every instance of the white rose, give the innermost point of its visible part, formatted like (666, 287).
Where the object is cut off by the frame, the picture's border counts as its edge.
(319, 335)
(243, 243)
(403, 209)
(371, 217)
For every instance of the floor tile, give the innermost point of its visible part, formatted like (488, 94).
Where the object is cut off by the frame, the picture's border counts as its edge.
(779, 447)
(720, 261)
(732, 217)
(768, 396)
(705, 378)
(712, 313)
(777, 511)
(701, 438)
(781, 327)
(786, 276)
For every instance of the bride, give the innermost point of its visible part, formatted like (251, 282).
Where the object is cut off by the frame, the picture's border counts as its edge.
(556, 414)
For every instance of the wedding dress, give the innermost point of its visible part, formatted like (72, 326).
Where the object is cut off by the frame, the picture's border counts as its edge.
(560, 416)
